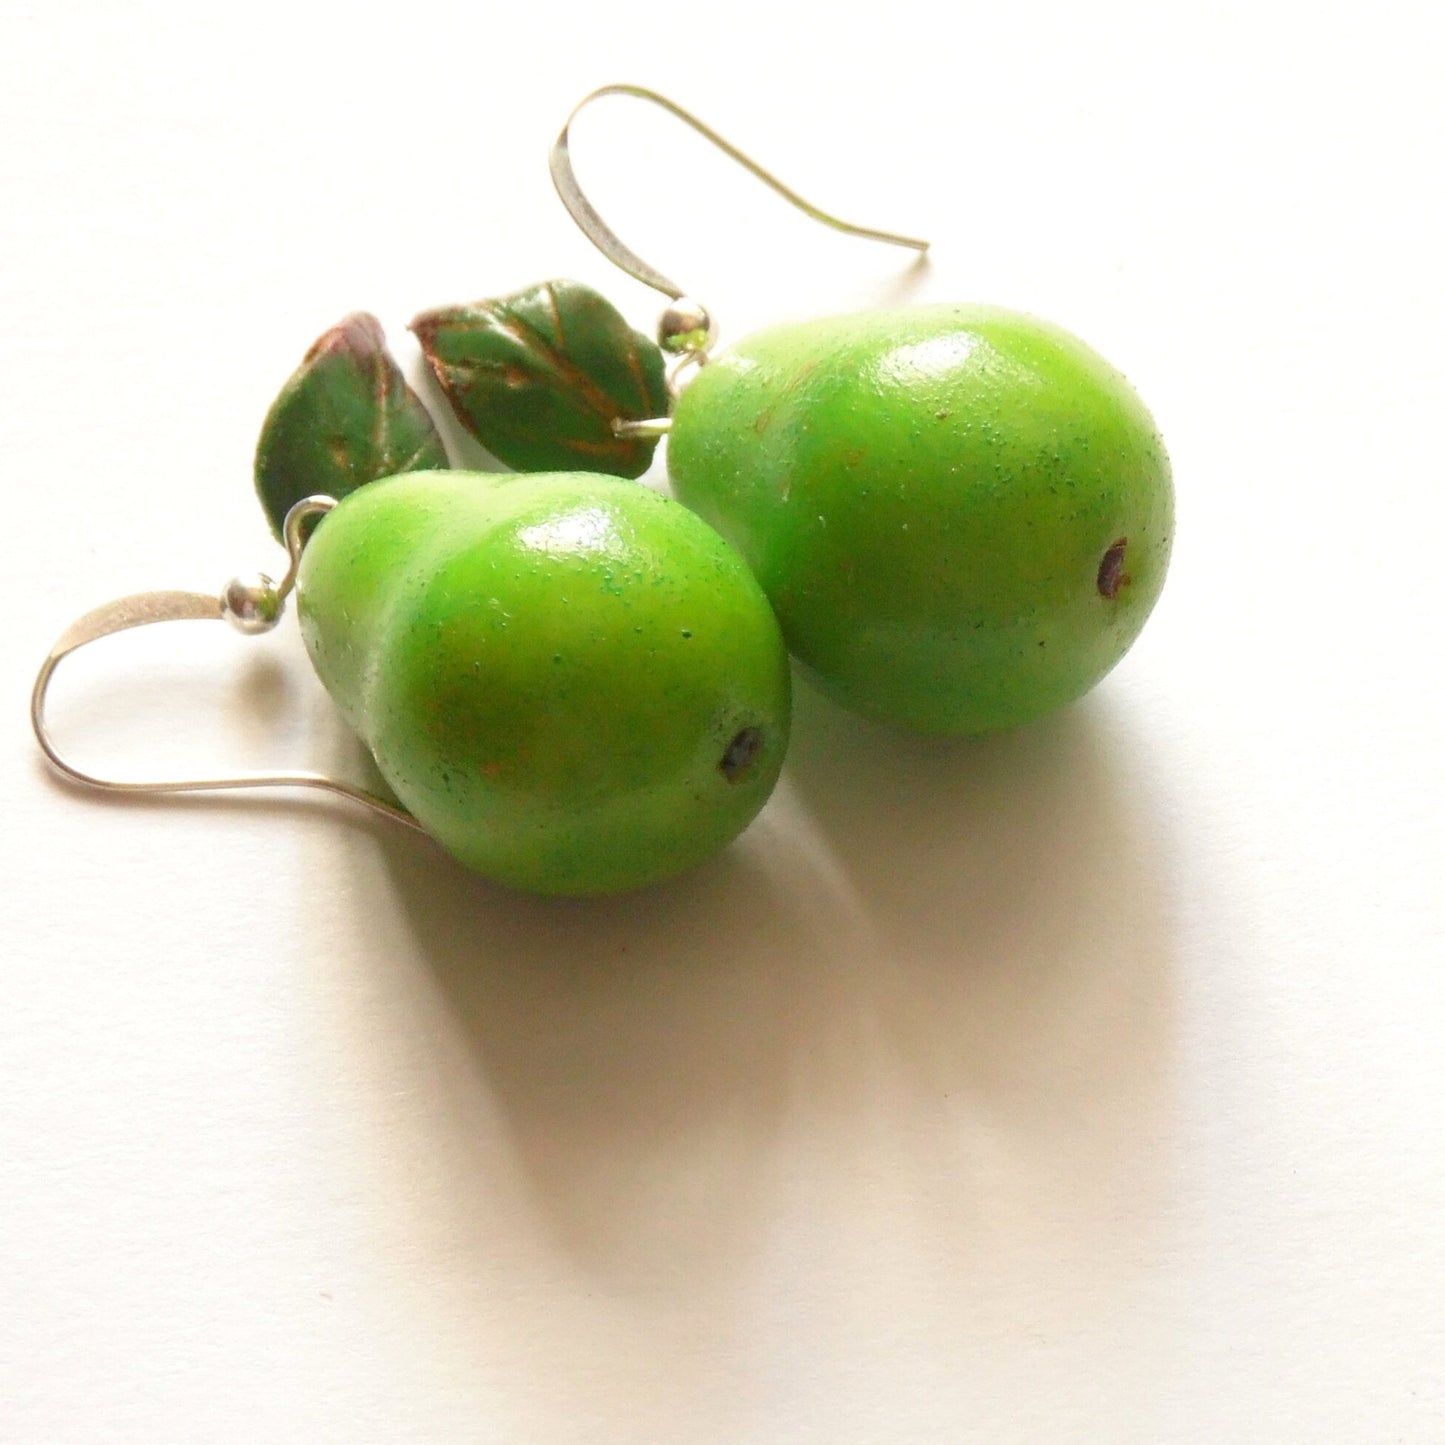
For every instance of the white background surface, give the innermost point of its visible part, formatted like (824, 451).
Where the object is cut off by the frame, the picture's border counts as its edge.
(1082, 1084)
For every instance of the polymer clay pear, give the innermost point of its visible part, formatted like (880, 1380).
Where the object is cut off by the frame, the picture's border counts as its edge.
(961, 515)
(574, 684)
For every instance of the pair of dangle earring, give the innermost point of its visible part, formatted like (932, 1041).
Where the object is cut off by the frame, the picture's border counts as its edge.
(955, 518)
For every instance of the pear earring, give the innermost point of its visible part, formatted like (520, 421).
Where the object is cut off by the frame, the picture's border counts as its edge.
(955, 517)
(572, 683)
(961, 515)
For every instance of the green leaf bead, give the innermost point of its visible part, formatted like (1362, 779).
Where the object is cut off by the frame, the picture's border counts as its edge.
(345, 418)
(572, 682)
(961, 515)
(539, 378)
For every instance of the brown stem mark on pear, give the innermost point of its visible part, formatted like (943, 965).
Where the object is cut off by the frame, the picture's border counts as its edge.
(1111, 570)
(739, 754)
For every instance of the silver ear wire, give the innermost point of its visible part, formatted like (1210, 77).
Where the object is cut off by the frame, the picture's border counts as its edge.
(686, 326)
(252, 605)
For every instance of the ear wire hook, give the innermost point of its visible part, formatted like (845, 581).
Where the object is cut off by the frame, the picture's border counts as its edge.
(252, 607)
(694, 340)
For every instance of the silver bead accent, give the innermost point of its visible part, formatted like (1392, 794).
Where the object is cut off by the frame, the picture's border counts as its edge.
(685, 327)
(251, 605)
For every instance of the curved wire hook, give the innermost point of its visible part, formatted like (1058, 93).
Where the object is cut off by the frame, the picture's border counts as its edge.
(602, 236)
(146, 607)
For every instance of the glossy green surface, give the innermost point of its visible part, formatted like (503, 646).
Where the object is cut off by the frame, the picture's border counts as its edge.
(539, 377)
(344, 418)
(573, 683)
(933, 499)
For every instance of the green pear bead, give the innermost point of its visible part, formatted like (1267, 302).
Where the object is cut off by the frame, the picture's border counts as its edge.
(386, 530)
(570, 681)
(961, 515)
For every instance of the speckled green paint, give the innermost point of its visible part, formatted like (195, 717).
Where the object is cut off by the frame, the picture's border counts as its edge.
(927, 497)
(550, 670)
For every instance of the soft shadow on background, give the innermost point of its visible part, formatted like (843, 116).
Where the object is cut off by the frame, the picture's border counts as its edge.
(945, 964)
(898, 1064)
